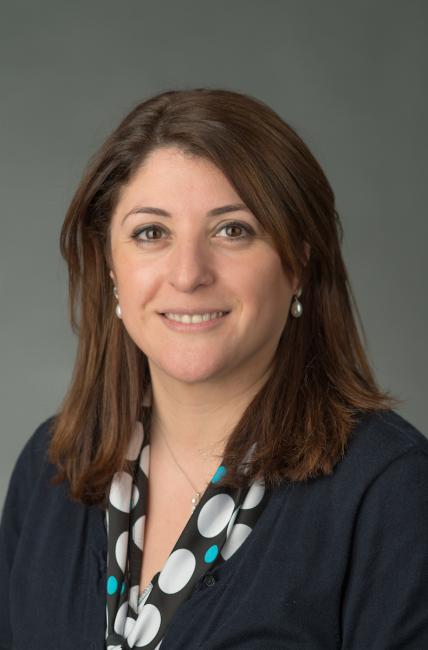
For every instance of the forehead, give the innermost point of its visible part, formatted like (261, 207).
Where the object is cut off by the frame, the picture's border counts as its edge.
(170, 172)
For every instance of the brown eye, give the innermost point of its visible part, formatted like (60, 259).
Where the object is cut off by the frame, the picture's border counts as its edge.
(236, 228)
(147, 229)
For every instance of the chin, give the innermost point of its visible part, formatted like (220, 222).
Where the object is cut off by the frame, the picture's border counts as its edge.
(190, 373)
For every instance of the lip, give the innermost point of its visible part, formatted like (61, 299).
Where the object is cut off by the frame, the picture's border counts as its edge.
(192, 327)
(192, 311)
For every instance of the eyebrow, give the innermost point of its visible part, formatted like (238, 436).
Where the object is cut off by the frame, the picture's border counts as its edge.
(215, 212)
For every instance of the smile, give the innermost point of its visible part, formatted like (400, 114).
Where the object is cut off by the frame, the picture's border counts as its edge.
(194, 322)
(194, 318)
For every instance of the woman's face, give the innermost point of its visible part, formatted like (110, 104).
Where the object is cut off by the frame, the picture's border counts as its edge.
(175, 250)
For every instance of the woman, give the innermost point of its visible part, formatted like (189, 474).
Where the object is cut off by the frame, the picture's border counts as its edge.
(224, 472)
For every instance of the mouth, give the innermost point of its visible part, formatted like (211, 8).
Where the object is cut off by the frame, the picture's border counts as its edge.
(192, 322)
(194, 317)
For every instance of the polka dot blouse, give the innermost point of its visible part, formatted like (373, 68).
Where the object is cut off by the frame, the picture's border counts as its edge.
(217, 527)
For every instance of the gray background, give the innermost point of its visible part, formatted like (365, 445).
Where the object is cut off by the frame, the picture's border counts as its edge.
(349, 77)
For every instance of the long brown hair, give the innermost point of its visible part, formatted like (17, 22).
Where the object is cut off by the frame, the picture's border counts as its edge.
(321, 381)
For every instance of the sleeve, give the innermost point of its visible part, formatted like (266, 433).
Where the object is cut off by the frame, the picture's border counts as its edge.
(385, 598)
(18, 496)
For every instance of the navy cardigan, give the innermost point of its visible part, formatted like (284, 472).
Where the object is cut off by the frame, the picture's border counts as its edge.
(339, 561)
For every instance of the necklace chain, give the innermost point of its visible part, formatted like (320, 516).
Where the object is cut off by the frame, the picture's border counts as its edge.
(197, 495)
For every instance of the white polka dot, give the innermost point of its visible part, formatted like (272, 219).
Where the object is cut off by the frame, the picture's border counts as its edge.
(133, 597)
(135, 496)
(120, 619)
(238, 535)
(120, 491)
(135, 442)
(177, 571)
(254, 496)
(215, 515)
(138, 531)
(122, 550)
(129, 624)
(146, 626)
(107, 621)
(145, 460)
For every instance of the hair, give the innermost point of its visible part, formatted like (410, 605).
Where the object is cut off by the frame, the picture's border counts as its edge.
(320, 382)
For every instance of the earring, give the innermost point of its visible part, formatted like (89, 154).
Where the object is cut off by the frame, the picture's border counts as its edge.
(296, 307)
(118, 309)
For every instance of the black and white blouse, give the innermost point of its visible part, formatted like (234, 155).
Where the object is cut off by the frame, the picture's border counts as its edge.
(217, 527)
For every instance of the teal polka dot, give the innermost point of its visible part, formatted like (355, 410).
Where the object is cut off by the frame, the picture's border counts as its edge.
(221, 471)
(211, 553)
(122, 589)
(112, 585)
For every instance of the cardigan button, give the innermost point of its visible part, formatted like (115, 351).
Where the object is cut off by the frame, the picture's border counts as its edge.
(209, 580)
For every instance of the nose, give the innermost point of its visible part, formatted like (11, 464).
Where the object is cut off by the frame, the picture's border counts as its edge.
(190, 265)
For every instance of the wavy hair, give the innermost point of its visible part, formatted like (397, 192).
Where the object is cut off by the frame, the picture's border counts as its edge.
(320, 382)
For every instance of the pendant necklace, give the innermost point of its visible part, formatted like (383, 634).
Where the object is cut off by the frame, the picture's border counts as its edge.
(197, 495)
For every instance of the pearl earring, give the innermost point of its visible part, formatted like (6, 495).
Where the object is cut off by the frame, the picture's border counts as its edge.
(118, 309)
(296, 307)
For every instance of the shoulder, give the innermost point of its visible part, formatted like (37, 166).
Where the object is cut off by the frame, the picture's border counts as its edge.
(387, 569)
(381, 438)
(27, 490)
(385, 454)
(33, 458)
(390, 431)
(32, 468)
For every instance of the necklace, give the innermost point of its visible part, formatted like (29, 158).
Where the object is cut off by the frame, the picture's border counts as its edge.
(197, 495)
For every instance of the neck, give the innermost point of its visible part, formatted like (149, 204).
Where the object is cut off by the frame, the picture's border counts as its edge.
(195, 421)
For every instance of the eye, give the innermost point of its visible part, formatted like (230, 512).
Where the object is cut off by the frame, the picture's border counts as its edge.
(137, 234)
(240, 226)
(142, 235)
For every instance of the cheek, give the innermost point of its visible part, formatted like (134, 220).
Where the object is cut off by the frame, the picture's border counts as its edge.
(266, 289)
(133, 286)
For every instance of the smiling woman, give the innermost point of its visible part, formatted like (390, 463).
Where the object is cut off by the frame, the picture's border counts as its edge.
(199, 274)
(222, 410)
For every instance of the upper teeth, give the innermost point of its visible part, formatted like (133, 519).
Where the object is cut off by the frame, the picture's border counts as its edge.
(194, 318)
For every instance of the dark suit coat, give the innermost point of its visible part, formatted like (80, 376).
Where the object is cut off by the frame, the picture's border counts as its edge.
(340, 561)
